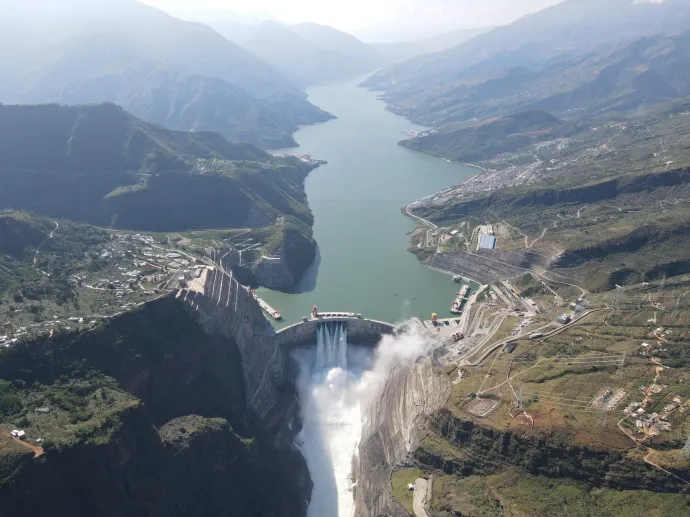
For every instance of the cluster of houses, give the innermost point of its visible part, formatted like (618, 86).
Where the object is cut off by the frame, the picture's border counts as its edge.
(8, 340)
(648, 349)
(147, 256)
(574, 308)
(125, 280)
(653, 424)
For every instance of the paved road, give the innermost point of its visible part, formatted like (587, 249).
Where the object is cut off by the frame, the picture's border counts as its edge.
(419, 497)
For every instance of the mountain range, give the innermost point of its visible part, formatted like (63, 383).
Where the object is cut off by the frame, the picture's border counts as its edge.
(101, 165)
(650, 70)
(404, 50)
(558, 49)
(307, 53)
(149, 62)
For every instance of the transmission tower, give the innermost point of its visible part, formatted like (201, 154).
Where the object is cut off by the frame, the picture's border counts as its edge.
(685, 452)
(619, 373)
(520, 395)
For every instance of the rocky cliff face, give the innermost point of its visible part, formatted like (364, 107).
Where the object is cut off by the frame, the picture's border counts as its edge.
(282, 270)
(392, 420)
(476, 450)
(224, 308)
(207, 352)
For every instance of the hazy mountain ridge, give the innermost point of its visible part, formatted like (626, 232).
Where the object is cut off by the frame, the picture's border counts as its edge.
(402, 51)
(93, 58)
(564, 31)
(182, 101)
(305, 53)
(650, 70)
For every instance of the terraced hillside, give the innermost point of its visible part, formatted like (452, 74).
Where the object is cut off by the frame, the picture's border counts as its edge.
(604, 206)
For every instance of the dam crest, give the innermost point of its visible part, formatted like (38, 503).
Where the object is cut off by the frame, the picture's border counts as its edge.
(360, 331)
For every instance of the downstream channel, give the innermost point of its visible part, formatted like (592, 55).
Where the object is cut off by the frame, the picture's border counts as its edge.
(363, 264)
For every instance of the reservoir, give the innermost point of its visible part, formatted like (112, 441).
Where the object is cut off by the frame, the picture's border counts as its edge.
(362, 262)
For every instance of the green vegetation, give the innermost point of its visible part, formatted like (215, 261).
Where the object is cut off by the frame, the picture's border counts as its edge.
(580, 214)
(474, 142)
(512, 493)
(100, 165)
(108, 404)
(400, 479)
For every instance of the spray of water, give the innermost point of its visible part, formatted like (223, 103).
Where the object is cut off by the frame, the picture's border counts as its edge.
(335, 381)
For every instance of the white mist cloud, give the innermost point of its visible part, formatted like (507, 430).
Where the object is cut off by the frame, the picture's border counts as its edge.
(331, 402)
(393, 352)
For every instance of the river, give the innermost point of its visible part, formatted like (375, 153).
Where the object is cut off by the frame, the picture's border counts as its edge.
(363, 264)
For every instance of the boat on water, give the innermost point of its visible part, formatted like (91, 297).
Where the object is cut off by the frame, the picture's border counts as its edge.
(275, 314)
(461, 296)
(457, 278)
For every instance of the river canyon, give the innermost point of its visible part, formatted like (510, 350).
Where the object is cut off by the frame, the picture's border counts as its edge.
(362, 266)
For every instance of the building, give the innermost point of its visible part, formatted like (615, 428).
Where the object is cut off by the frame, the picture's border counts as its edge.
(564, 318)
(487, 242)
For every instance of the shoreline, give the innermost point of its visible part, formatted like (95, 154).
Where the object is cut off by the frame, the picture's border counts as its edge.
(407, 210)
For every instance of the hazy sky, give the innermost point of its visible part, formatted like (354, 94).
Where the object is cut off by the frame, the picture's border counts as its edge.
(383, 16)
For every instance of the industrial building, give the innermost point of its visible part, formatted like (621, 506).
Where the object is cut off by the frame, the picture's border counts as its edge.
(487, 242)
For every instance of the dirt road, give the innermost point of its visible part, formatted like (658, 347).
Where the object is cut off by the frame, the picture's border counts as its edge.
(419, 497)
(38, 451)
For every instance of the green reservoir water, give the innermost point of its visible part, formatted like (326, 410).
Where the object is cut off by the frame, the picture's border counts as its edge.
(363, 264)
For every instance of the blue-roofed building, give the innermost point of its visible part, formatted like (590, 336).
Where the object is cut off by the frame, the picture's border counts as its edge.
(487, 242)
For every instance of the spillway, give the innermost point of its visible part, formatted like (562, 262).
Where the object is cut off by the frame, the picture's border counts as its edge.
(330, 385)
(331, 345)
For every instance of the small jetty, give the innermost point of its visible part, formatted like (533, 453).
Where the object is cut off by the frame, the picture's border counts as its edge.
(275, 314)
(461, 297)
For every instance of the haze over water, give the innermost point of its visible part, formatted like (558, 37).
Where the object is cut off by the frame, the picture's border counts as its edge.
(363, 264)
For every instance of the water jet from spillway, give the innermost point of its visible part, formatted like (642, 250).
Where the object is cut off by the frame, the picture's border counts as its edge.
(331, 345)
(329, 388)
(336, 382)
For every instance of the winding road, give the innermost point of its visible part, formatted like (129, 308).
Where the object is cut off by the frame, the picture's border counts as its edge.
(50, 236)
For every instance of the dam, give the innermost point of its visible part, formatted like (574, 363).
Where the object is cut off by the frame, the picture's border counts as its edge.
(346, 391)
(360, 331)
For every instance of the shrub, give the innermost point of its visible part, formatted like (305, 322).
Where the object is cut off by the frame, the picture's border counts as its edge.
(10, 403)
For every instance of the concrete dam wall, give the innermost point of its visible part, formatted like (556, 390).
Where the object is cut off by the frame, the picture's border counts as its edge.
(360, 331)
(223, 306)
